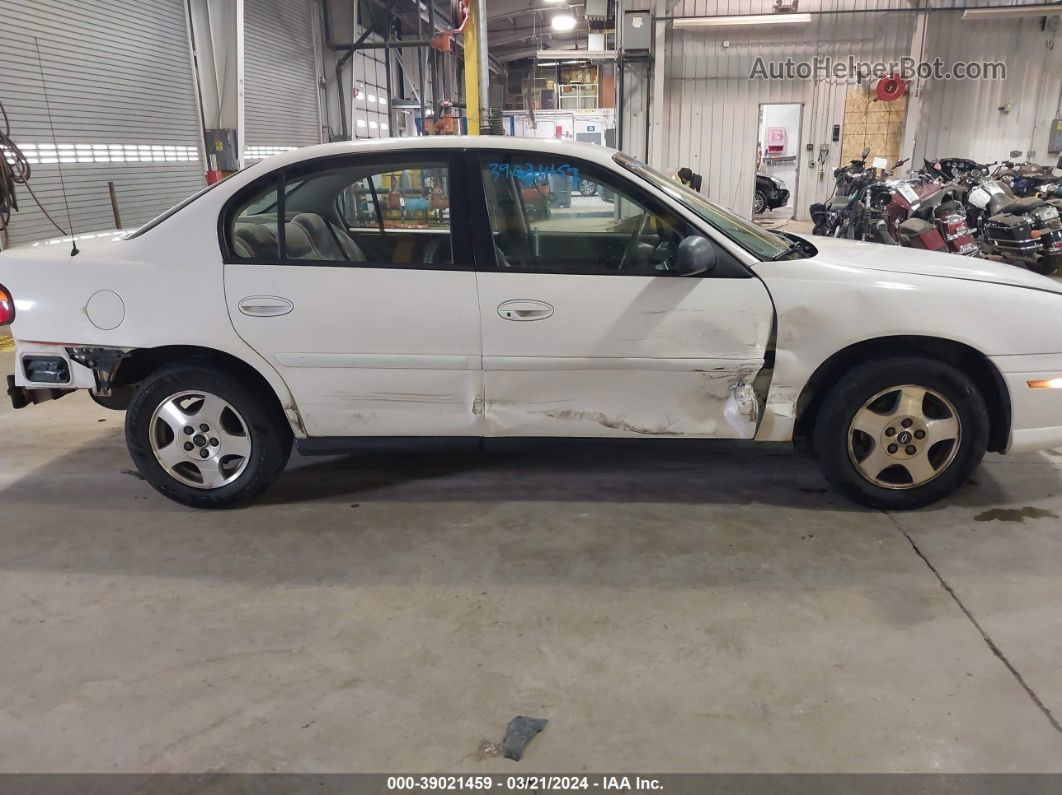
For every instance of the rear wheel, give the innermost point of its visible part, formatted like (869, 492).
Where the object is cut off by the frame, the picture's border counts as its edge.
(901, 433)
(203, 439)
(1048, 266)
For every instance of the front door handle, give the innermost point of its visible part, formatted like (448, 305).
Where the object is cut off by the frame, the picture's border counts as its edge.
(524, 310)
(265, 306)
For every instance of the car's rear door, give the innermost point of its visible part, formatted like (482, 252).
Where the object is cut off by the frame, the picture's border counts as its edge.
(586, 331)
(359, 288)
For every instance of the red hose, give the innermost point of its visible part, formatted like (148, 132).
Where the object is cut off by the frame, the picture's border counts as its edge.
(465, 13)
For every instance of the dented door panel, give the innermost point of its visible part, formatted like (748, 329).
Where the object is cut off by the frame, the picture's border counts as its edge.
(635, 356)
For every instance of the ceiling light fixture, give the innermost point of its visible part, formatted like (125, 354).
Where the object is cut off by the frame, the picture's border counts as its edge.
(743, 19)
(1011, 12)
(583, 55)
(563, 22)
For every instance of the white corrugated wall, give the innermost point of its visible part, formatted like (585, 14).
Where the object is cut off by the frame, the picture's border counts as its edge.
(963, 118)
(119, 78)
(709, 111)
(282, 99)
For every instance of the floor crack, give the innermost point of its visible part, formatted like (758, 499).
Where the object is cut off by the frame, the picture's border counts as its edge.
(984, 635)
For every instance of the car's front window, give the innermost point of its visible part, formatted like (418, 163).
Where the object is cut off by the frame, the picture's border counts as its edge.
(750, 237)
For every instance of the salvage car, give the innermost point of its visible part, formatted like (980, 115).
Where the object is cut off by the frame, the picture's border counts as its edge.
(273, 308)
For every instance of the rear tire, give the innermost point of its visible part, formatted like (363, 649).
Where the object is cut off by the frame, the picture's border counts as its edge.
(901, 433)
(1048, 266)
(245, 436)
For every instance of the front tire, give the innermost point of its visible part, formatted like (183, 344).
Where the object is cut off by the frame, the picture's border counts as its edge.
(901, 433)
(203, 439)
(759, 203)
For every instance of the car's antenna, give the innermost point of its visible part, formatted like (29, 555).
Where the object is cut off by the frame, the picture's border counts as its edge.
(58, 160)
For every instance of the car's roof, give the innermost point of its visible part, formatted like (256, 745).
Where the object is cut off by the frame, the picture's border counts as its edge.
(592, 152)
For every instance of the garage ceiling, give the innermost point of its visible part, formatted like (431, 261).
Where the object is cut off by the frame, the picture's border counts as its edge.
(518, 25)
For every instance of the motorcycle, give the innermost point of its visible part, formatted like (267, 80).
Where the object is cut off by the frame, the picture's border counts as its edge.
(923, 213)
(1027, 230)
(870, 205)
(827, 217)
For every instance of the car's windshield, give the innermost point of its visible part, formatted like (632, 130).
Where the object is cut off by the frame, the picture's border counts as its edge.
(764, 244)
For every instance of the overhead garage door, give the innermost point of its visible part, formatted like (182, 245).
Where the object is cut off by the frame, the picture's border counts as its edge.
(119, 78)
(281, 94)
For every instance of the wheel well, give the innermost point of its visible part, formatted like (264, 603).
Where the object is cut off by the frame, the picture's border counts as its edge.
(142, 362)
(972, 362)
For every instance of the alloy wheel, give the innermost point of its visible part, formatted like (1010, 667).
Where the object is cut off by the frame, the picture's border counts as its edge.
(200, 439)
(904, 437)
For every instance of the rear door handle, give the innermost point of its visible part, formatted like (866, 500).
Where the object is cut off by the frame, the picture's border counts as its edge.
(265, 306)
(524, 310)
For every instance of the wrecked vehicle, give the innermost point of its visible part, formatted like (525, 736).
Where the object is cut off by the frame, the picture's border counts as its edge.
(275, 307)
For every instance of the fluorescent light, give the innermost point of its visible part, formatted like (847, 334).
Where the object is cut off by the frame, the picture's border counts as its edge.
(743, 19)
(563, 22)
(582, 55)
(1010, 12)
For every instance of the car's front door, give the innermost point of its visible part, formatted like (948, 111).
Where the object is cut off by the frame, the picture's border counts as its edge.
(353, 276)
(587, 328)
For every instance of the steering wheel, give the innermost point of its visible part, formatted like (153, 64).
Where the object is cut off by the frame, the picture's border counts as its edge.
(632, 243)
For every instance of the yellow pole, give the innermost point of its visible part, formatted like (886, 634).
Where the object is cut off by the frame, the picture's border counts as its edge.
(471, 33)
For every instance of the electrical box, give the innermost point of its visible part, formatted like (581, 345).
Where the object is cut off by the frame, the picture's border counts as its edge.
(637, 31)
(596, 9)
(222, 152)
(1055, 144)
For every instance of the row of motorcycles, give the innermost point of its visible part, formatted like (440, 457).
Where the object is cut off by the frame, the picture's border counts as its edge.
(1007, 210)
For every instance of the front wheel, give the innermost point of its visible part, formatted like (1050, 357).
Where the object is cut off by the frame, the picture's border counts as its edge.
(759, 203)
(901, 433)
(203, 439)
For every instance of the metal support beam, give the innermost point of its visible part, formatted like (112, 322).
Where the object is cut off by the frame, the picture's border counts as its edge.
(914, 97)
(216, 37)
(471, 40)
(658, 107)
(482, 61)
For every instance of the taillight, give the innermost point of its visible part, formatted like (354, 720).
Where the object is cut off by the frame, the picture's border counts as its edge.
(7, 306)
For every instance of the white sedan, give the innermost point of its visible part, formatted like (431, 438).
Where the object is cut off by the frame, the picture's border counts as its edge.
(470, 288)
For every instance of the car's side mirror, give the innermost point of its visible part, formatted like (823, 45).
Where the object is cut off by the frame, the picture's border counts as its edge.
(695, 255)
(1059, 164)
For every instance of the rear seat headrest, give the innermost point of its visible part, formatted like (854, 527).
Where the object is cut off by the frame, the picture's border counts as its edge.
(333, 243)
(307, 236)
(258, 240)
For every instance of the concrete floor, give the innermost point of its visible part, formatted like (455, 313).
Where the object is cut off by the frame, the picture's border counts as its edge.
(682, 610)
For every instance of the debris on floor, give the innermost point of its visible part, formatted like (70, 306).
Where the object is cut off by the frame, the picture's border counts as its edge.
(518, 734)
(487, 750)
